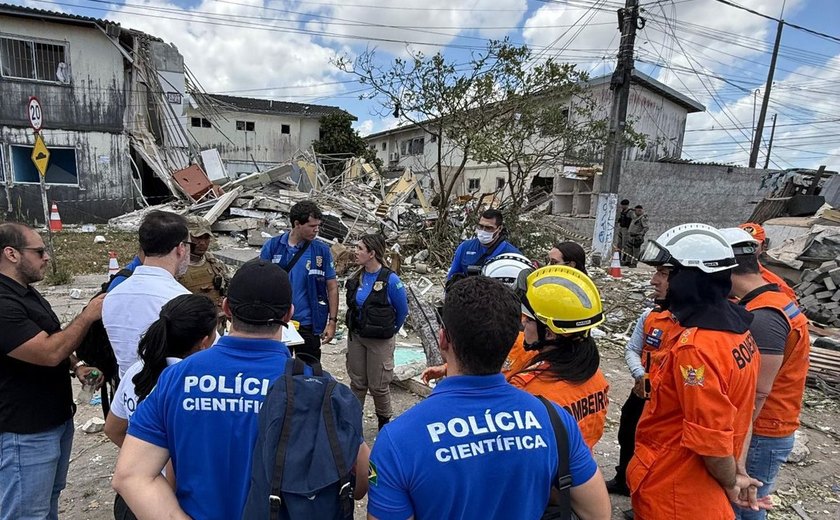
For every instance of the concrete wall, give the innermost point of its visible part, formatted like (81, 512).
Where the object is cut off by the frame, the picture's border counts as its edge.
(104, 188)
(266, 144)
(661, 120)
(674, 194)
(93, 100)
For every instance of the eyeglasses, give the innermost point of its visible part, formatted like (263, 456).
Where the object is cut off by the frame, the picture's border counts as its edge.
(40, 251)
(552, 261)
(480, 227)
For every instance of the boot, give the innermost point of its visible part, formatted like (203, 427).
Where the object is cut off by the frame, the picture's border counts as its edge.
(617, 486)
(382, 420)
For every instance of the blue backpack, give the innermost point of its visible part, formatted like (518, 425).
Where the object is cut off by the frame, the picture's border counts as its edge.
(310, 430)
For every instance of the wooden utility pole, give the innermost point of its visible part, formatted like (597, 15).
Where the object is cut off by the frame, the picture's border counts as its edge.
(770, 144)
(759, 127)
(602, 237)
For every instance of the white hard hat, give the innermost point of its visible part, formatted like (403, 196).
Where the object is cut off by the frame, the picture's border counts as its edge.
(506, 267)
(690, 245)
(740, 240)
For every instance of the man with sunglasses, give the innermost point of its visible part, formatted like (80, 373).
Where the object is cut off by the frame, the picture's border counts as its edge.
(135, 304)
(36, 399)
(489, 242)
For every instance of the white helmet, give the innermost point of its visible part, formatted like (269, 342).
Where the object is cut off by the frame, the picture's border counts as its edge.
(740, 240)
(506, 267)
(690, 245)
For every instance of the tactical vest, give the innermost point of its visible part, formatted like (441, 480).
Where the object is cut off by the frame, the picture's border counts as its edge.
(202, 279)
(377, 317)
(780, 415)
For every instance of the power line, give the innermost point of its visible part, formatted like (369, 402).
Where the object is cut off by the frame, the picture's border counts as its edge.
(816, 33)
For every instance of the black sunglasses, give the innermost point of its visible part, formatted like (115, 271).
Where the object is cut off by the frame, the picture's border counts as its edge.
(39, 250)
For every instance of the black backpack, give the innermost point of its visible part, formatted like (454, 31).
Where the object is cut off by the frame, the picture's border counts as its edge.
(560, 501)
(310, 430)
(95, 348)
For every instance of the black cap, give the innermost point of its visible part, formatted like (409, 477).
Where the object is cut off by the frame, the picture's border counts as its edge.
(260, 293)
(625, 202)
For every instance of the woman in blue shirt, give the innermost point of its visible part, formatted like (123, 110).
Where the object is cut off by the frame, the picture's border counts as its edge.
(377, 308)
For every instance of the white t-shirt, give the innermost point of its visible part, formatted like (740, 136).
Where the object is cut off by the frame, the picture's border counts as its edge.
(125, 399)
(133, 305)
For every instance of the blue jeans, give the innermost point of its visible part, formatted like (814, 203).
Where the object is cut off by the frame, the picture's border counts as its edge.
(33, 471)
(766, 456)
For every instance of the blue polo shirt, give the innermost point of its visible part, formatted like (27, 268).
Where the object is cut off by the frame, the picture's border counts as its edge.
(131, 266)
(204, 410)
(279, 251)
(479, 448)
(396, 294)
(470, 251)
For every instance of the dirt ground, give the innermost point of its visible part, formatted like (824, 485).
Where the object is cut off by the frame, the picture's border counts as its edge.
(813, 484)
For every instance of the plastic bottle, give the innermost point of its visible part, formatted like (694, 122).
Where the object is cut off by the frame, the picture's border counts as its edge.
(88, 387)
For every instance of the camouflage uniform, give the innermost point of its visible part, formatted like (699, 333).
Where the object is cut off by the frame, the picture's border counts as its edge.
(209, 276)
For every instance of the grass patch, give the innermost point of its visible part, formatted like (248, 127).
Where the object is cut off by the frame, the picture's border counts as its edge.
(76, 253)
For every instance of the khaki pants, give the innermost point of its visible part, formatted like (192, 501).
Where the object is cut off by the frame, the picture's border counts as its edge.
(370, 365)
(621, 244)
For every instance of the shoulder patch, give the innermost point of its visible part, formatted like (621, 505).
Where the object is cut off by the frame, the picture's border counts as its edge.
(693, 376)
(373, 476)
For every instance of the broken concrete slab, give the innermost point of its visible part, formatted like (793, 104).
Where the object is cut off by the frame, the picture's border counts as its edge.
(259, 236)
(236, 257)
(800, 449)
(221, 205)
(237, 224)
(94, 425)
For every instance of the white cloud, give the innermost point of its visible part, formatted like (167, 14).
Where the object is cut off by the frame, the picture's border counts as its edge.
(364, 127)
(241, 49)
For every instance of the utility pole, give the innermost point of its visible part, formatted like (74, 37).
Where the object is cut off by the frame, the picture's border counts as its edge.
(602, 237)
(770, 144)
(759, 128)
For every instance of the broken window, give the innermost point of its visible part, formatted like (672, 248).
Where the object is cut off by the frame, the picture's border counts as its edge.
(473, 185)
(500, 183)
(61, 170)
(34, 60)
(247, 126)
(195, 122)
(205, 123)
(384, 145)
(412, 146)
(285, 129)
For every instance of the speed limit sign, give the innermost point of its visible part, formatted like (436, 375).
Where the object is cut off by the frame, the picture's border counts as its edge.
(36, 116)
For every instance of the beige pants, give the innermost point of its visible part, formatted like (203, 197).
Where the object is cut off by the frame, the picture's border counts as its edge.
(370, 365)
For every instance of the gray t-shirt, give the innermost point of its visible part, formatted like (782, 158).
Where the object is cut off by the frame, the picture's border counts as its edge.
(770, 330)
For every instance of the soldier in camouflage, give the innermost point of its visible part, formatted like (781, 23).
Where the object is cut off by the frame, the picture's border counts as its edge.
(206, 274)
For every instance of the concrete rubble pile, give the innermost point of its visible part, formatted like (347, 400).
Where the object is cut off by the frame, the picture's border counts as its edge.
(819, 293)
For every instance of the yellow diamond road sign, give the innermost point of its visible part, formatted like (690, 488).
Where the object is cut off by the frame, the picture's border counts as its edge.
(40, 155)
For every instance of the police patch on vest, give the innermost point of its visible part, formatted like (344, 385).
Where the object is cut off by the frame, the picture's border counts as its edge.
(319, 261)
(377, 286)
(654, 339)
(308, 265)
(693, 376)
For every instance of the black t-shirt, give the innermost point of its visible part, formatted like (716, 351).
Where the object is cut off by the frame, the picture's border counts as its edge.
(33, 398)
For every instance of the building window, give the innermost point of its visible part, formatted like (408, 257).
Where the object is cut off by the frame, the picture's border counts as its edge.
(200, 122)
(285, 129)
(412, 146)
(61, 170)
(384, 145)
(247, 126)
(473, 185)
(500, 183)
(37, 60)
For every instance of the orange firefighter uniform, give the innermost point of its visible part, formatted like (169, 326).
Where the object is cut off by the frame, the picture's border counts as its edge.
(779, 417)
(771, 277)
(656, 342)
(587, 401)
(518, 358)
(701, 404)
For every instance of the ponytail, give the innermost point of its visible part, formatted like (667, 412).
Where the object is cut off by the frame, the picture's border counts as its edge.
(573, 359)
(184, 321)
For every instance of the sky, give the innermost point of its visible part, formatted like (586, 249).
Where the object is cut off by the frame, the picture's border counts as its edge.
(714, 53)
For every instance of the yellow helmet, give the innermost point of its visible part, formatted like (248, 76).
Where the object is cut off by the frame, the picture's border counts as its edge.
(563, 299)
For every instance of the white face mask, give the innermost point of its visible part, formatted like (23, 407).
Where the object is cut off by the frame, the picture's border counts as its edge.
(485, 237)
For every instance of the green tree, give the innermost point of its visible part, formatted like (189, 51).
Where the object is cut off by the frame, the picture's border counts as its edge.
(339, 142)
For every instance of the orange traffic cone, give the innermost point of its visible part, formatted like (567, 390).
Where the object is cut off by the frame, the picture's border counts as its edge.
(113, 265)
(615, 266)
(55, 219)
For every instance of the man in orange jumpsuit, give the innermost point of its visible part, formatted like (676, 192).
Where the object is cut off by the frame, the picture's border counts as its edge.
(781, 333)
(758, 233)
(693, 430)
